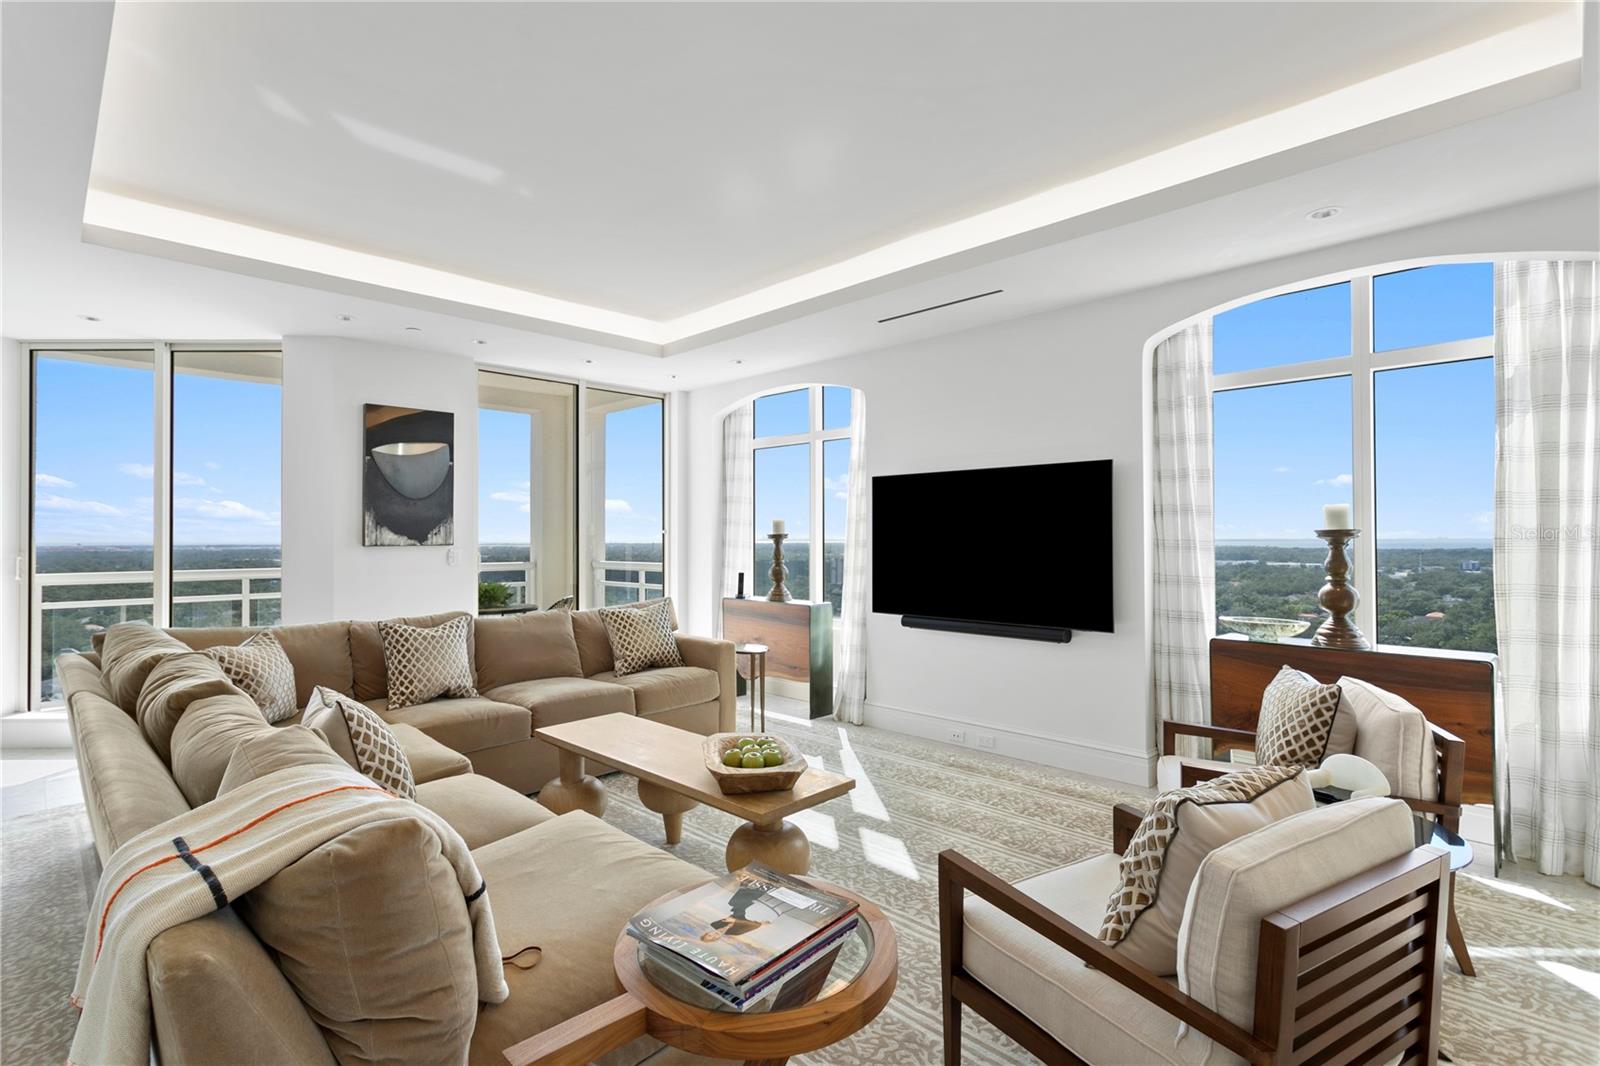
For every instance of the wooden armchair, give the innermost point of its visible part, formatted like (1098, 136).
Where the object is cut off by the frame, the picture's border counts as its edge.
(1342, 965)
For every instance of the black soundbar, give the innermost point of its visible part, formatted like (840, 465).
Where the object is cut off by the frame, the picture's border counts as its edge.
(1048, 634)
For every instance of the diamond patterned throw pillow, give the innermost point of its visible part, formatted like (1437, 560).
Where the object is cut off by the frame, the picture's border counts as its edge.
(362, 739)
(641, 637)
(1147, 852)
(262, 669)
(424, 664)
(1297, 713)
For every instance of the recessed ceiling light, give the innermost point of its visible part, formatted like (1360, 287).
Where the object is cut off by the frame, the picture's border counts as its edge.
(90, 318)
(1322, 214)
(413, 329)
(345, 318)
(480, 340)
(589, 361)
(738, 362)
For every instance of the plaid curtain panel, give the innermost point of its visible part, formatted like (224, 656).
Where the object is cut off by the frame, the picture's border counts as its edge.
(1547, 561)
(738, 504)
(850, 678)
(1184, 577)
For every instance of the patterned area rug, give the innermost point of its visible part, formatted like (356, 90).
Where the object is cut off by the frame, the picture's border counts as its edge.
(1536, 941)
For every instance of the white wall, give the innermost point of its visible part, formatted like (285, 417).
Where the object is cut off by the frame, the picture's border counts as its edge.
(1069, 384)
(327, 572)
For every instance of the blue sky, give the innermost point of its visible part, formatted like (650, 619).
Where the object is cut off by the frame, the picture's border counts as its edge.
(95, 448)
(783, 474)
(1281, 452)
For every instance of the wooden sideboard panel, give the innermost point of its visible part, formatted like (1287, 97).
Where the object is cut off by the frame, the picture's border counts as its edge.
(799, 639)
(1455, 690)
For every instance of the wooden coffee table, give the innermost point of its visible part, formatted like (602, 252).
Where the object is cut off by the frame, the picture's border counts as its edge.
(673, 778)
(834, 999)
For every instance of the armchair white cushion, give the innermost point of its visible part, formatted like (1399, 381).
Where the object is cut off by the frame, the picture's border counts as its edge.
(1394, 736)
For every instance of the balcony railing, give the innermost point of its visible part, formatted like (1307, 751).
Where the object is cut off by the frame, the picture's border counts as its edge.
(614, 580)
(62, 623)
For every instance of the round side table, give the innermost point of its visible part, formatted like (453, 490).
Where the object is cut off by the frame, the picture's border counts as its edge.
(757, 654)
(823, 1006)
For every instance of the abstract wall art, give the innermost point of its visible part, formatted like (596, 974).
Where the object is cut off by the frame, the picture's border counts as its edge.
(408, 476)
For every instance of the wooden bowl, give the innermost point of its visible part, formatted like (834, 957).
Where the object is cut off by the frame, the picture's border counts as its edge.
(735, 781)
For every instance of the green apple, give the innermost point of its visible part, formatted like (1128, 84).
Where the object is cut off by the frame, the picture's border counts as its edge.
(773, 758)
(752, 761)
(732, 757)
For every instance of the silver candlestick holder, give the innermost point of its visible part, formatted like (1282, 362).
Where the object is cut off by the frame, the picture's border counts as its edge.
(780, 573)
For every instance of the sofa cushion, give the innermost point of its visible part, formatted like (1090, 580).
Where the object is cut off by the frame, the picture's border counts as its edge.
(641, 637)
(320, 652)
(204, 740)
(176, 682)
(429, 759)
(369, 679)
(1297, 714)
(125, 787)
(1394, 736)
(465, 725)
(481, 809)
(276, 749)
(1144, 915)
(666, 688)
(372, 931)
(524, 647)
(594, 646)
(362, 739)
(1099, 1019)
(262, 669)
(567, 886)
(1244, 881)
(553, 700)
(132, 650)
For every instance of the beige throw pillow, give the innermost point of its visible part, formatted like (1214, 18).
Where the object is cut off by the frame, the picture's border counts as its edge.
(362, 739)
(1297, 714)
(262, 669)
(424, 664)
(1144, 915)
(641, 637)
(130, 651)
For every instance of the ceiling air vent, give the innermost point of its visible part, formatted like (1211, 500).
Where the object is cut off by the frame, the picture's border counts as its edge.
(935, 307)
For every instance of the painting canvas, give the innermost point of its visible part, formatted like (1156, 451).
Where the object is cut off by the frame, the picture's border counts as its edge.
(408, 476)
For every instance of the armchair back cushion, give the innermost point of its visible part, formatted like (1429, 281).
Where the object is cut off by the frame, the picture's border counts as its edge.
(1394, 736)
(1244, 881)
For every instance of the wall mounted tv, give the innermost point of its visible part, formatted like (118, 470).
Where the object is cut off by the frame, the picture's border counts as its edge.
(1019, 551)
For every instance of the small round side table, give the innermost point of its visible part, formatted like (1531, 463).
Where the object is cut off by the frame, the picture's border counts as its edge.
(758, 673)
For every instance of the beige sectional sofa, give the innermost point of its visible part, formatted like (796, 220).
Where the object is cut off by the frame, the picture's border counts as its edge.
(567, 883)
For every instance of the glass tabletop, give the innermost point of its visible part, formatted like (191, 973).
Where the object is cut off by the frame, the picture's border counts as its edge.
(833, 971)
(1429, 830)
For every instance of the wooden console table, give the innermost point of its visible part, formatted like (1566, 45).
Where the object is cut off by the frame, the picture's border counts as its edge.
(799, 640)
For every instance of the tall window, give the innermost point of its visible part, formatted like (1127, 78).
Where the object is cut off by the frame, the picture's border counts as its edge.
(1377, 392)
(155, 495)
(626, 490)
(801, 472)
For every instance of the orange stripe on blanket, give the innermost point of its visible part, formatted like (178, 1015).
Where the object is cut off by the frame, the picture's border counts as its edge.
(105, 915)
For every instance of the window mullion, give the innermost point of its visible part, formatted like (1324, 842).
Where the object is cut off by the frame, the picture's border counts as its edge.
(1363, 493)
(161, 494)
(814, 552)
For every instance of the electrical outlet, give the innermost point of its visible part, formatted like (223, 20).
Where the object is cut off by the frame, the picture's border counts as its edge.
(956, 736)
(450, 557)
(985, 740)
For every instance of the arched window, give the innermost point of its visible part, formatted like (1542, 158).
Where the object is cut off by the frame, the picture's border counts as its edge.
(800, 470)
(1376, 392)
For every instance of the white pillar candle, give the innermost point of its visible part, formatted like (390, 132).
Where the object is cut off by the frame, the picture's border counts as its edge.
(1336, 516)
(777, 525)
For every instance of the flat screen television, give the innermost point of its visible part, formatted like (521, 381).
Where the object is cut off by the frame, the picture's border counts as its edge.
(1003, 546)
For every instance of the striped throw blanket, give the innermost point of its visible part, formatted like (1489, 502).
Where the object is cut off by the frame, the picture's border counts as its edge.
(197, 862)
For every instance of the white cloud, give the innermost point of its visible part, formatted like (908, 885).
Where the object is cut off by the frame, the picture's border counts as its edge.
(139, 470)
(517, 496)
(1337, 479)
(1280, 470)
(229, 509)
(1483, 518)
(618, 507)
(180, 478)
(212, 465)
(51, 502)
(51, 481)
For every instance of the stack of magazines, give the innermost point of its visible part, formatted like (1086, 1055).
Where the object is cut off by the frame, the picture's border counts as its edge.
(742, 936)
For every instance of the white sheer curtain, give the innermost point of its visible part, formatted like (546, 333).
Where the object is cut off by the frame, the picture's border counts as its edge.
(850, 663)
(738, 507)
(1547, 561)
(1184, 575)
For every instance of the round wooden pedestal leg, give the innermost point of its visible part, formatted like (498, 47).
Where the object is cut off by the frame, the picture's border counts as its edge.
(781, 845)
(670, 805)
(574, 790)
